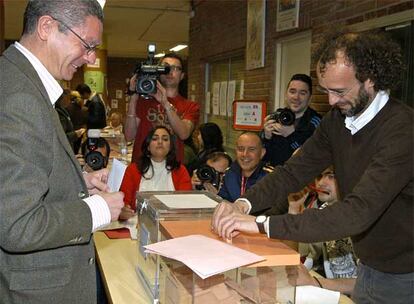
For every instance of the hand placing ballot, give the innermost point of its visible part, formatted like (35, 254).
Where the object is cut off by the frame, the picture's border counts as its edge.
(229, 219)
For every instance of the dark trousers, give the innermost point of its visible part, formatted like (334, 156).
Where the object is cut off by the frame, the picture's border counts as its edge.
(376, 287)
(100, 288)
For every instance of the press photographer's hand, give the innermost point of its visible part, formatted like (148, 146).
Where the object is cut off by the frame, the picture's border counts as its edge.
(133, 83)
(268, 127)
(282, 130)
(161, 96)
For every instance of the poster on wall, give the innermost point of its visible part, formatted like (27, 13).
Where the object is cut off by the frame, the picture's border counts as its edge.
(118, 94)
(231, 96)
(216, 96)
(96, 64)
(95, 80)
(223, 98)
(249, 114)
(114, 103)
(255, 42)
(287, 15)
(241, 89)
(207, 103)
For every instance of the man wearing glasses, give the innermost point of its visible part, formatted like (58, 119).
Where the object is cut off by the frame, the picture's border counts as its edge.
(48, 207)
(368, 137)
(166, 107)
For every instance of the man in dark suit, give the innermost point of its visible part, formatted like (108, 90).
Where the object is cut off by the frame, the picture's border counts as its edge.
(47, 215)
(95, 105)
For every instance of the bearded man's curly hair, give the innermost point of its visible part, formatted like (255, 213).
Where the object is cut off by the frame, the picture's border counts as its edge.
(373, 55)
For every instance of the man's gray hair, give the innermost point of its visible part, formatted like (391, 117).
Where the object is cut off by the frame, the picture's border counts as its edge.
(72, 12)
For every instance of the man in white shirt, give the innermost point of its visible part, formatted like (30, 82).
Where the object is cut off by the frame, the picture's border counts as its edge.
(48, 207)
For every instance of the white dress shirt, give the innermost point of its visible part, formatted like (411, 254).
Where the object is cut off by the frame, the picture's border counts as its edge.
(354, 124)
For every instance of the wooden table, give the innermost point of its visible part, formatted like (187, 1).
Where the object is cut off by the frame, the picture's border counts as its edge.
(117, 260)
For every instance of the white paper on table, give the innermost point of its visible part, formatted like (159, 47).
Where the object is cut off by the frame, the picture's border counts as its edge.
(186, 201)
(116, 175)
(316, 295)
(205, 256)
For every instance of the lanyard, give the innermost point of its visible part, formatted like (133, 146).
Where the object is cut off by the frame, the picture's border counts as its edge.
(243, 185)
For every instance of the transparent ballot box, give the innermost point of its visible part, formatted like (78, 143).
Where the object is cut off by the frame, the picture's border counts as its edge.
(262, 282)
(156, 207)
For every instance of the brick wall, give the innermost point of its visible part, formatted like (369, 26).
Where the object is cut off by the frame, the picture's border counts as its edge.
(218, 29)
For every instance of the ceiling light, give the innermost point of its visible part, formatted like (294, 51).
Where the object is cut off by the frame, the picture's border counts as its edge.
(159, 55)
(178, 47)
(102, 3)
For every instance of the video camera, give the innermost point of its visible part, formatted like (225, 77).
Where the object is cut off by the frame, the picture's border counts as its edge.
(93, 158)
(207, 174)
(284, 116)
(148, 73)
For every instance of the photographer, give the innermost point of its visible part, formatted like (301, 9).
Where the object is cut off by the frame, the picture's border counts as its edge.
(165, 107)
(209, 175)
(281, 138)
(248, 168)
(95, 152)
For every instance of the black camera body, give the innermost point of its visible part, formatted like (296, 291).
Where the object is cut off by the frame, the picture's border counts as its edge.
(148, 73)
(207, 174)
(284, 116)
(93, 158)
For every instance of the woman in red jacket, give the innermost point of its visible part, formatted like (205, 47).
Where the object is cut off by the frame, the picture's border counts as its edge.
(156, 170)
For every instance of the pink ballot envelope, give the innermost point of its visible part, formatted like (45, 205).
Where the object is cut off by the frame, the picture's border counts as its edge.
(205, 256)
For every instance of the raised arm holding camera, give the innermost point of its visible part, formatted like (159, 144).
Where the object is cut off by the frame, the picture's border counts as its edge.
(288, 128)
(161, 106)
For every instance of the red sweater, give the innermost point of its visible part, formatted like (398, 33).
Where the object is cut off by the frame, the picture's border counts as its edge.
(132, 179)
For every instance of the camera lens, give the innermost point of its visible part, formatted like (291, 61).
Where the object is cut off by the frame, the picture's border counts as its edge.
(206, 174)
(95, 160)
(284, 116)
(145, 85)
(287, 118)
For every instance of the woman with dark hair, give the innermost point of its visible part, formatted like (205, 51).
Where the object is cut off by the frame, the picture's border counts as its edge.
(208, 139)
(156, 170)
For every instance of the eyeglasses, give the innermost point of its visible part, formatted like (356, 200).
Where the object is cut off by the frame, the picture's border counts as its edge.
(174, 68)
(89, 48)
(339, 94)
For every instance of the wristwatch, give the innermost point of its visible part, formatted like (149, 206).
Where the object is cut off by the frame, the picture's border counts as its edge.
(260, 220)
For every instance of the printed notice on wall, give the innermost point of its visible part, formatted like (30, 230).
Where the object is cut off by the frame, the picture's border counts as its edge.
(231, 94)
(207, 104)
(223, 98)
(216, 96)
(249, 115)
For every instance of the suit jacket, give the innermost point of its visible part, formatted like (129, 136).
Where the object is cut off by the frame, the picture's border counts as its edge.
(46, 250)
(67, 125)
(96, 113)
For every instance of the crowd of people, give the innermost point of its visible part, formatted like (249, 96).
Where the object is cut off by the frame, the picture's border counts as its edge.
(342, 184)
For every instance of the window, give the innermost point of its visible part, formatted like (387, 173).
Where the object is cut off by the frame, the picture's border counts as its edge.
(219, 71)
